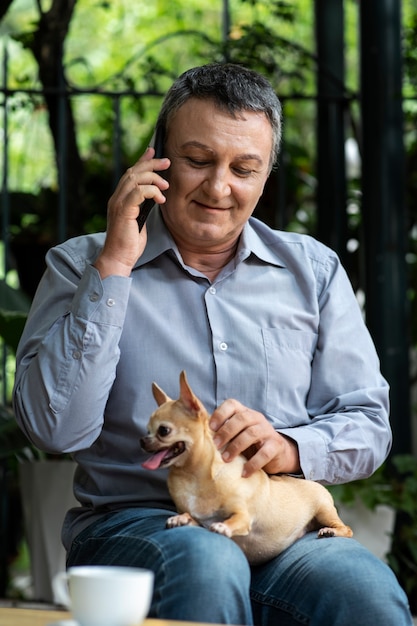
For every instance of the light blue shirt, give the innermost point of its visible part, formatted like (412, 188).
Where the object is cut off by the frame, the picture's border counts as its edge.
(279, 329)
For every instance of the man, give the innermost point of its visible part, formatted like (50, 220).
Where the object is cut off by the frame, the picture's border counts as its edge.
(266, 326)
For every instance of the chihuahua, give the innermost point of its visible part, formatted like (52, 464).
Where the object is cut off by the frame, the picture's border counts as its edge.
(263, 514)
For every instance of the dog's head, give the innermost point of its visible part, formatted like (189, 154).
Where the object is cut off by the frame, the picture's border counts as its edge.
(174, 427)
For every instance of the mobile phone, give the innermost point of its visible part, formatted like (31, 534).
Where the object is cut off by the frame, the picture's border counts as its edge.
(159, 145)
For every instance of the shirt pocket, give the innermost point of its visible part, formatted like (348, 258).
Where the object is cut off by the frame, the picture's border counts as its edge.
(289, 356)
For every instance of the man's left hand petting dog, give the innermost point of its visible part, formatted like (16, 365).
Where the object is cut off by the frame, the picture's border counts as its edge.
(263, 514)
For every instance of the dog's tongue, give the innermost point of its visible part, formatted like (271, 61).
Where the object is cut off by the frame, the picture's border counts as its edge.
(155, 460)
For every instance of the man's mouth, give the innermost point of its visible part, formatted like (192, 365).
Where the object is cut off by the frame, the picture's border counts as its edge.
(165, 456)
(209, 207)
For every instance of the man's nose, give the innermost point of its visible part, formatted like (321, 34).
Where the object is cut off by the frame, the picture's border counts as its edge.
(218, 183)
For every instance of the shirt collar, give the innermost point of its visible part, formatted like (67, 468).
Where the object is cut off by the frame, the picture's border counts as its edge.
(251, 242)
(259, 240)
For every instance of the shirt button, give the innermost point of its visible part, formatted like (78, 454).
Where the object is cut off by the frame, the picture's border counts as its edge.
(110, 302)
(76, 355)
(212, 290)
(94, 297)
(223, 346)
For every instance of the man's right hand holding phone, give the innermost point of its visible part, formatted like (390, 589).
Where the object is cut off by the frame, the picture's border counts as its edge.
(124, 243)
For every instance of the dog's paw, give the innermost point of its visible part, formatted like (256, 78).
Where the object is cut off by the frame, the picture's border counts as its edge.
(184, 519)
(221, 529)
(325, 532)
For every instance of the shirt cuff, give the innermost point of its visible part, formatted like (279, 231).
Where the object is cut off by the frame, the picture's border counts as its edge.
(312, 450)
(101, 301)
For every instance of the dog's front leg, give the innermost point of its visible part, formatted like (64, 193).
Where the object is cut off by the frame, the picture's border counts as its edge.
(184, 519)
(237, 524)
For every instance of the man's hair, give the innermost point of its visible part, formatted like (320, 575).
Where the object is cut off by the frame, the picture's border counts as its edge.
(233, 88)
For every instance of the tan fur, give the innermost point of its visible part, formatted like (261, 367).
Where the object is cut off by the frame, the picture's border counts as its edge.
(263, 514)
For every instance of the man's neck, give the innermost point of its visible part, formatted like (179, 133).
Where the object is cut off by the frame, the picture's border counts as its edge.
(209, 263)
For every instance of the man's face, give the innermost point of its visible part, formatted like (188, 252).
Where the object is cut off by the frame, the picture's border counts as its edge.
(219, 166)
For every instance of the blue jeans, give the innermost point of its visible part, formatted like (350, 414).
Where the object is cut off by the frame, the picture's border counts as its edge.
(202, 576)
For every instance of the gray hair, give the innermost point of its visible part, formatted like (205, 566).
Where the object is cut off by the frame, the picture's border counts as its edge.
(233, 88)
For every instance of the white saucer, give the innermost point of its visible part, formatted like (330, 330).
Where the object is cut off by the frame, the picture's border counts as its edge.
(64, 622)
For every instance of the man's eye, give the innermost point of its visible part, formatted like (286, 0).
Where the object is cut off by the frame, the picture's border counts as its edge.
(197, 162)
(242, 172)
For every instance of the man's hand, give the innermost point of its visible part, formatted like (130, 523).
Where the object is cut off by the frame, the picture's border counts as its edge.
(240, 430)
(124, 244)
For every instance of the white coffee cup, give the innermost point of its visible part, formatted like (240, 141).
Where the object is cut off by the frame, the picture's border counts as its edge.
(105, 595)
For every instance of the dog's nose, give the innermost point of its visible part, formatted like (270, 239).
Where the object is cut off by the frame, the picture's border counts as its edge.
(144, 442)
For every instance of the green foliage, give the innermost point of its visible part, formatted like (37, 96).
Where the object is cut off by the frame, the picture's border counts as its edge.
(14, 306)
(403, 554)
(12, 439)
(393, 484)
(410, 137)
(11, 327)
(12, 299)
(12, 321)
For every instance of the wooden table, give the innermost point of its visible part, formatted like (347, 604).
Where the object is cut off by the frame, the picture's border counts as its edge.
(30, 617)
(40, 617)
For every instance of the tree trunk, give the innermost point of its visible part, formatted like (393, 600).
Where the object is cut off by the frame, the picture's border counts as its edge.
(48, 48)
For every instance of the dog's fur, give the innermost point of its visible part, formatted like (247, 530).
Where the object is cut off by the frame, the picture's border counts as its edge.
(263, 514)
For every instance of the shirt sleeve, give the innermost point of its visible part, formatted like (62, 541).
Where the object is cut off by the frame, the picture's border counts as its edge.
(71, 338)
(349, 435)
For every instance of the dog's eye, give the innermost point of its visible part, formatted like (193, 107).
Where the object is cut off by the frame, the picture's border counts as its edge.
(163, 431)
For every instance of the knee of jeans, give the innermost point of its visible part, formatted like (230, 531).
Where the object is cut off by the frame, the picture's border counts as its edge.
(203, 576)
(206, 554)
(354, 570)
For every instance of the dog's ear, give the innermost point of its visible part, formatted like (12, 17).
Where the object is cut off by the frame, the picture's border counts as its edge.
(187, 397)
(159, 395)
